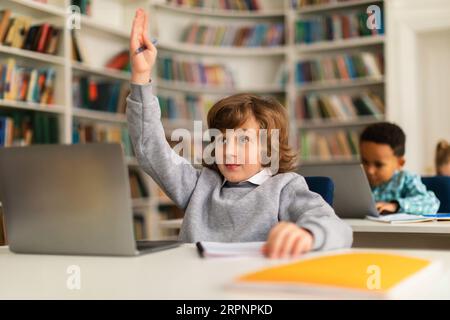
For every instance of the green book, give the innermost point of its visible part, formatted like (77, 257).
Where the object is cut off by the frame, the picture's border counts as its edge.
(54, 130)
(45, 123)
(37, 129)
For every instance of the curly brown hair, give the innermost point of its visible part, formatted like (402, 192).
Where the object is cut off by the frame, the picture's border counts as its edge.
(233, 111)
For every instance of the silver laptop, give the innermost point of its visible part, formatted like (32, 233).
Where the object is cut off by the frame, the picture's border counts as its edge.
(352, 193)
(69, 199)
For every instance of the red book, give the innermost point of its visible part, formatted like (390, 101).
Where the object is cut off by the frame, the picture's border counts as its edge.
(93, 91)
(43, 37)
(342, 68)
(345, 27)
(119, 61)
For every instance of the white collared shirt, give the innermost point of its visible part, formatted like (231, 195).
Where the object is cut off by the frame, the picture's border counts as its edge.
(258, 178)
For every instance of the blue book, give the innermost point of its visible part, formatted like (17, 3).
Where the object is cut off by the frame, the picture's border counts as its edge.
(3, 69)
(350, 66)
(2, 130)
(437, 215)
(114, 97)
(260, 34)
(308, 31)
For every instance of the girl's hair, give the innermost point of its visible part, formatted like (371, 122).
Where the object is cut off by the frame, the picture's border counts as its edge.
(442, 154)
(233, 111)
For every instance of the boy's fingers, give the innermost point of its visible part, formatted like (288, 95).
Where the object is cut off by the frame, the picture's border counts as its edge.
(139, 23)
(136, 31)
(273, 234)
(297, 248)
(264, 249)
(145, 25)
(134, 40)
(303, 246)
(149, 45)
(277, 242)
(289, 241)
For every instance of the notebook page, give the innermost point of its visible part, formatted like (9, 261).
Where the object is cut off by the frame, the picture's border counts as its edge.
(230, 249)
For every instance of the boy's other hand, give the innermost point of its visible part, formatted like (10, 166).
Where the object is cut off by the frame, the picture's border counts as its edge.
(142, 62)
(387, 207)
(286, 239)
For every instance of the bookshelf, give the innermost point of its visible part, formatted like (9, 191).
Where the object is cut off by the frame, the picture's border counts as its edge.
(344, 42)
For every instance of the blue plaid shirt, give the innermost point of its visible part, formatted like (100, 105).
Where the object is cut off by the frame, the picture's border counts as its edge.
(408, 190)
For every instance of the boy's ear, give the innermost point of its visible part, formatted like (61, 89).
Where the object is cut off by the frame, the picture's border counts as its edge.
(401, 161)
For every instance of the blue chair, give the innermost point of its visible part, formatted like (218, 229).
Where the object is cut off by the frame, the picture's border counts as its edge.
(323, 186)
(440, 185)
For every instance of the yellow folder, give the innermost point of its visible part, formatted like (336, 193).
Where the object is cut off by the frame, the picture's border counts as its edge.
(361, 274)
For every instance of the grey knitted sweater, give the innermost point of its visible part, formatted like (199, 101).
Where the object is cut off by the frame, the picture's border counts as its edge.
(215, 211)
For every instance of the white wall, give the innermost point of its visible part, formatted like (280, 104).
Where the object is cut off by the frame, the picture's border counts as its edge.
(418, 69)
(434, 75)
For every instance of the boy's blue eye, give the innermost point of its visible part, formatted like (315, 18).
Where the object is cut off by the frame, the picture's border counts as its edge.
(244, 139)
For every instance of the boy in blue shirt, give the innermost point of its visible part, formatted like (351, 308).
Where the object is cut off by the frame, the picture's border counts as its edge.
(382, 147)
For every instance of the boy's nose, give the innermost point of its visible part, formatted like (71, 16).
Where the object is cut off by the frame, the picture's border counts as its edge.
(370, 170)
(233, 152)
(231, 147)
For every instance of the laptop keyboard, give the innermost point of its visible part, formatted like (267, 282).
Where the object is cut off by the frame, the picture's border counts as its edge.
(156, 244)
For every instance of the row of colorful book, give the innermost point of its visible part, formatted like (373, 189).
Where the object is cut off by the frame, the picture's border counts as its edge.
(334, 27)
(194, 72)
(341, 67)
(184, 106)
(23, 128)
(86, 132)
(316, 107)
(244, 5)
(91, 93)
(305, 3)
(26, 84)
(20, 32)
(335, 144)
(257, 35)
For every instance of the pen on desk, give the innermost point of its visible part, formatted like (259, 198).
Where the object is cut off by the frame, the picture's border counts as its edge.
(200, 249)
(144, 47)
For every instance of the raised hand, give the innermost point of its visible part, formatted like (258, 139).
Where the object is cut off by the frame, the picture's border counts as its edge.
(141, 62)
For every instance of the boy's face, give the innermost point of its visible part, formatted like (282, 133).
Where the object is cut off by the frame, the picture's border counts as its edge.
(238, 155)
(379, 161)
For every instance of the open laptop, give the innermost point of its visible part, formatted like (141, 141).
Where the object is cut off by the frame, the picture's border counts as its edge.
(352, 193)
(69, 199)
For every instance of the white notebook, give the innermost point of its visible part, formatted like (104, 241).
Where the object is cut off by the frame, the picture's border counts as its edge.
(229, 249)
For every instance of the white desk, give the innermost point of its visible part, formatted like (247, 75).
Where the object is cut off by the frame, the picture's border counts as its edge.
(365, 225)
(421, 235)
(372, 234)
(173, 274)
